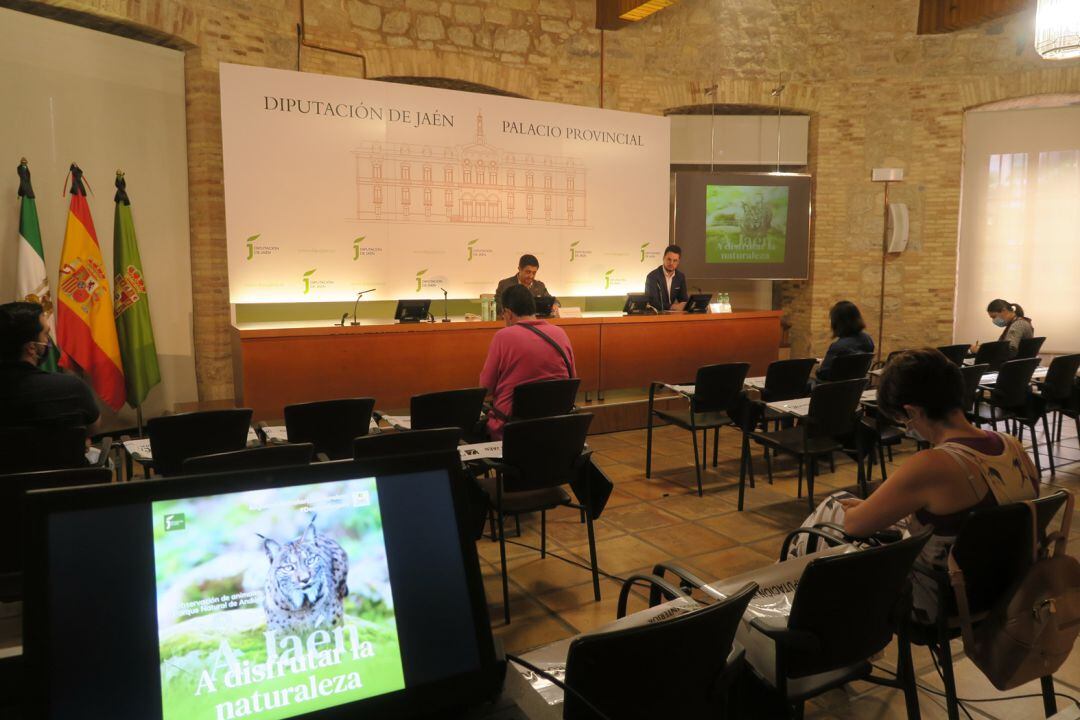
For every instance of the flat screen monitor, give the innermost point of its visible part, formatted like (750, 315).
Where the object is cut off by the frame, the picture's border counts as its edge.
(743, 225)
(637, 304)
(307, 592)
(544, 306)
(412, 310)
(698, 303)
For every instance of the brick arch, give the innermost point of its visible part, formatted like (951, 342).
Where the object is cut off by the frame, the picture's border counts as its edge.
(980, 92)
(473, 73)
(737, 91)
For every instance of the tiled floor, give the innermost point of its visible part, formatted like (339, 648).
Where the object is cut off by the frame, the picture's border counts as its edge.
(649, 520)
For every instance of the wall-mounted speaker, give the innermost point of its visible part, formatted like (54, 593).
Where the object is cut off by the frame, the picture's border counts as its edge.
(898, 227)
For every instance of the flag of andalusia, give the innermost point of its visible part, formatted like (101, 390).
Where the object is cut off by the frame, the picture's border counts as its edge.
(31, 280)
(84, 318)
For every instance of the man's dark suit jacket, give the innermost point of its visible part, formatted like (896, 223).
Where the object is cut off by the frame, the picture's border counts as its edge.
(656, 286)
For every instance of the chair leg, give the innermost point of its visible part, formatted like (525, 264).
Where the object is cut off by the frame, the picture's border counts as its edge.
(797, 710)
(1049, 699)
(517, 523)
(715, 446)
(1060, 423)
(768, 464)
(811, 470)
(502, 559)
(491, 518)
(1034, 448)
(881, 459)
(1047, 439)
(592, 557)
(906, 675)
(832, 463)
(799, 492)
(543, 534)
(697, 461)
(744, 458)
(890, 453)
(945, 658)
(648, 443)
(704, 449)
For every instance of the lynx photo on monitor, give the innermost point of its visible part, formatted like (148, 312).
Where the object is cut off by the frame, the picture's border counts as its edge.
(745, 224)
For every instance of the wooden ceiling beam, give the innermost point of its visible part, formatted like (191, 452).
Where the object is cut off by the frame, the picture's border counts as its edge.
(945, 16)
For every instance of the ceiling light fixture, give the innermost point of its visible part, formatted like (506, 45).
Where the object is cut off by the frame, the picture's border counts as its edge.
(1057, 29)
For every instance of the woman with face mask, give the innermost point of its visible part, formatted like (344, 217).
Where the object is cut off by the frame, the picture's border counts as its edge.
(936, 488)
(1010, 318)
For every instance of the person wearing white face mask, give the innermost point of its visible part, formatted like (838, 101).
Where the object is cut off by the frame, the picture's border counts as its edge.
(966, 468)
(1010, 317)
(28, 394)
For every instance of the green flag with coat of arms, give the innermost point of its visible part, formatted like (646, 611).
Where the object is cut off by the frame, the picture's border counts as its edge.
(131, 304)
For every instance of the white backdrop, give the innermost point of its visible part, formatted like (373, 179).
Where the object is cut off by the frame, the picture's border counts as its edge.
(335, 185)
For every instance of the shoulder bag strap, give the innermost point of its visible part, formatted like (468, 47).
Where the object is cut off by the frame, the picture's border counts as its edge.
(552, 343)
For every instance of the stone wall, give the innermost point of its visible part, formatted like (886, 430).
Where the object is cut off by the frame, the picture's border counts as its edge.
(878, 95)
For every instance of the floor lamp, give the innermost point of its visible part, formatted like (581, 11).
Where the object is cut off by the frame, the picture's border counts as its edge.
(884, 175)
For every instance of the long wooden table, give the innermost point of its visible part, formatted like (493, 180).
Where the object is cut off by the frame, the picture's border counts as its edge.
(275, 365)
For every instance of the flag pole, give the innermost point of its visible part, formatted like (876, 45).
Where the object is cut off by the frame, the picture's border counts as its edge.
(138, 418)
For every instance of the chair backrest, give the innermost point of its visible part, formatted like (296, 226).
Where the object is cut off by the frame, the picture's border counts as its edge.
(175, 438)
(267, 456)
(544, 398)
(994, 549)
(1013, 380)
(833, 406)
(850, 367)
(451, 408)
(849, 604)
(646, 671)
(787, 379)
(12, 489)
(972, 375)
(406, 443)
(718, 387)
(1029, 347)
(544, 452)
(955, 353)
(329, 425)
(993, 354)
(1061, 377)
(42, 447)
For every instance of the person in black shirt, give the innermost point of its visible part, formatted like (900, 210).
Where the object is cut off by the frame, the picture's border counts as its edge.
(849, 330)
(27, 393)
(666, 285)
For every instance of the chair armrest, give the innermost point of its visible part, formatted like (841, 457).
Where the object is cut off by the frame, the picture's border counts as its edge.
(813, 532)
(322, 457)
(688, 581)
(657, 587)
(799, 641)
(260, 430)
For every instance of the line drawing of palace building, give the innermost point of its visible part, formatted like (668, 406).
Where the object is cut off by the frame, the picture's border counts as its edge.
(469, 184)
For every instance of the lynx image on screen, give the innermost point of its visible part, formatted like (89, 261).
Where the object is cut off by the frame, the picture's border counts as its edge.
(273, 603)
(745, 224)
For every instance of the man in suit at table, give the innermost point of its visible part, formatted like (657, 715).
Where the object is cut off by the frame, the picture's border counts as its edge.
(528, 265)
(665, 285)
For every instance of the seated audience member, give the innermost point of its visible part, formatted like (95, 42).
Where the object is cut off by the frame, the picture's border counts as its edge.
(27, 393)
(1010, 317)
(526, 350)
(528, 266)
(849, 330)
(967, 468)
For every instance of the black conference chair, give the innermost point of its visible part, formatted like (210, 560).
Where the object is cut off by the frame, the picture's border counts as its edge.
(544, 398)
(850, 367)
(1056, 392)
(955, 353)
(330, 425)
(833, 415)
(412, 442)
(1029, 347)
(994, 550)
(786, 380)
(13, 530)
(1010, 399)
(993, 354)
(972, 375)
(644, 672)
(450, 408)
(717, 391)
(267, 456)
(540, 457)
(175, 438)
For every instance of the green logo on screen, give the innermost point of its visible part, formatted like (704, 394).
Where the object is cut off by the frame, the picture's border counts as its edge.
(250, 242)
(356, 247)
(174, 521)
(607, 278)
(469, 245)
(573, 253)
(307, 280)
(419, 279)
(643, 251)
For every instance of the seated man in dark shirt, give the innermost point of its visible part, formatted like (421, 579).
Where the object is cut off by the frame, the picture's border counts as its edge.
(27, 393)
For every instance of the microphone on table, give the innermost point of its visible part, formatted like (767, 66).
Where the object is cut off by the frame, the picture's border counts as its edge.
(343, 316)
(661, 291)
(445, 305)
(357, 303)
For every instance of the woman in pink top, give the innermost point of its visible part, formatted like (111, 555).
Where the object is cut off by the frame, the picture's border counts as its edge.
(526, 350)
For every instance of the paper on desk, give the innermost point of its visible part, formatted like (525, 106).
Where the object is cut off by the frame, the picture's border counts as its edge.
(755, 382)
(139, 448)
(402, 421)
(681, 389)
(479, 451)
(253, 438)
